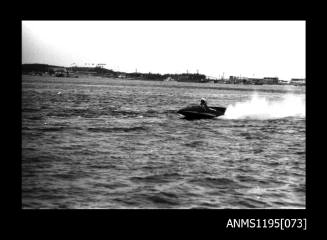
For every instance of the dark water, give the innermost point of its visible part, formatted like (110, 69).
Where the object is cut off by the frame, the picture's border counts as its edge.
(105, 143)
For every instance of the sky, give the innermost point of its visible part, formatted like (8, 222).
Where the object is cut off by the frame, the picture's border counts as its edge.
(213, 48)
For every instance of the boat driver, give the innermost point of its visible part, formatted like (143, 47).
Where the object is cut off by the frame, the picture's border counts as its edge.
(203, 104)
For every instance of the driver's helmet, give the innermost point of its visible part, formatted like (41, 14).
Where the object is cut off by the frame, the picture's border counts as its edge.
(203, 100)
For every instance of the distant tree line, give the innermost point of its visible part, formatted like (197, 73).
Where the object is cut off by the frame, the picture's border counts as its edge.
(99, 70)
(184, 77)
(187, 77)
(40, 68)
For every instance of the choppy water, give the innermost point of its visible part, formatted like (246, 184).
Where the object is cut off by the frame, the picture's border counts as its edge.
(106, 143)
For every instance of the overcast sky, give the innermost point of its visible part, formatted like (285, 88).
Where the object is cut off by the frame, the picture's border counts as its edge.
(246, 48)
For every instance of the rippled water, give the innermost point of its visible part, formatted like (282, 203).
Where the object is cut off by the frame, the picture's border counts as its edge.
(107, 143)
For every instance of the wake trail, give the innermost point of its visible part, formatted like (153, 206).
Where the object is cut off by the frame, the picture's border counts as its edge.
(259, 107)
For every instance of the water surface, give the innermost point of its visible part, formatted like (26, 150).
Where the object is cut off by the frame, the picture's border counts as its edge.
(109, 143)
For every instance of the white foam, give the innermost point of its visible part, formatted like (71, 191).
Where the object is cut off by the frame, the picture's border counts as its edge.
(260, 107)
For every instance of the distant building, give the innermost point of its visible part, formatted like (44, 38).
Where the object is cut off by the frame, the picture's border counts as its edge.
(169, 79)
(215, 80)
(122, 76)
(240, 80)
(283, 82)
(221, 81)
(58, 71)
(270, 80)
(298, 81)
(256, 81)
(234, 80)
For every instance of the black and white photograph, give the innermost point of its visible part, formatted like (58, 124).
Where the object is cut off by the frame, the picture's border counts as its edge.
(163, 114)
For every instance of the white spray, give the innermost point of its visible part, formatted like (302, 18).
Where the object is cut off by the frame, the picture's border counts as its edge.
(291, 105)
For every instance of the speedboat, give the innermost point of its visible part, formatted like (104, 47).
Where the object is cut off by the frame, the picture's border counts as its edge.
(197, 112)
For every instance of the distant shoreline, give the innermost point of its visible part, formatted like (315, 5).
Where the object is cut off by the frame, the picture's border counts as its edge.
(98, 71)
(190, 85)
